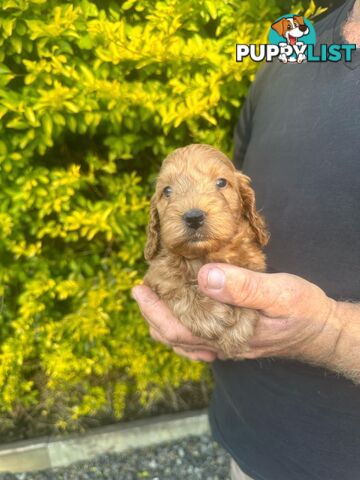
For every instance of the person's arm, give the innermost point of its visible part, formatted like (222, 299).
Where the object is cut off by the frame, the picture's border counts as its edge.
(297, 319)
(244, 125)
(242, 131)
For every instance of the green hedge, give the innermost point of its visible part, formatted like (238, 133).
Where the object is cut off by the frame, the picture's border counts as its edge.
(93, 94)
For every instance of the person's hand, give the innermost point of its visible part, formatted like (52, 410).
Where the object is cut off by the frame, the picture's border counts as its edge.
(297, 319)
(165, 328)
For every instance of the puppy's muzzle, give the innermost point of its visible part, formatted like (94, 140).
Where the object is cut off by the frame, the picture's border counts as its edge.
(194, 218)
(303, 28)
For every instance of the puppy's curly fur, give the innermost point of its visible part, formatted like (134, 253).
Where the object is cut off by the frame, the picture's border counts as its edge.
(231, 230)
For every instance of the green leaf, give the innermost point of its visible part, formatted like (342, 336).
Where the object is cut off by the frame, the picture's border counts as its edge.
(211, 6)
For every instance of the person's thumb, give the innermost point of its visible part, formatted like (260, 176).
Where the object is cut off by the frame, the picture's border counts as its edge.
(274, 294)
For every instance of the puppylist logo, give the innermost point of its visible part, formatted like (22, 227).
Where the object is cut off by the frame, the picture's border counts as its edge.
(292, 39)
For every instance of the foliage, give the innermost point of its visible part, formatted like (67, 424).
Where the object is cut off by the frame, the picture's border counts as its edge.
(93, 94)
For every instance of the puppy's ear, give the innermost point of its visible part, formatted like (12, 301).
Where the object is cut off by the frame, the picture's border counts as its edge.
(299, 19)
(153, 232)
(256, 221)
(280, 26)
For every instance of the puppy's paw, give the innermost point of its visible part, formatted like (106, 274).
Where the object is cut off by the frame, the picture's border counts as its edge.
(235, 339)
(203, 316)
(301, 58)
(283, 58)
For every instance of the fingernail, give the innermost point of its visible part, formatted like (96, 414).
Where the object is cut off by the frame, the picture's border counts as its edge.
(215, 278)
(134, 293)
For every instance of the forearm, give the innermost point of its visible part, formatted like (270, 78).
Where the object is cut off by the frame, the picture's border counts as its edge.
(338, 346)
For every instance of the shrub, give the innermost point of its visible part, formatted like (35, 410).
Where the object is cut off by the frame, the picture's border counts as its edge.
(93, 94)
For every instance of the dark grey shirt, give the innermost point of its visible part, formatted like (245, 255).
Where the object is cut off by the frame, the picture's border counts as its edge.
(298, 138)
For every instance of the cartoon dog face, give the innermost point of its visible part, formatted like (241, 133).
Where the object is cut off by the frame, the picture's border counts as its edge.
(291, 28)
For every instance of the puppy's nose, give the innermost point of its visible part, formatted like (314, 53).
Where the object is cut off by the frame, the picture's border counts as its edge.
(303, 28)
(194, 218)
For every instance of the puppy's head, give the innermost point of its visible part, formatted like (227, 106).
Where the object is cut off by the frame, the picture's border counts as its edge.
(200, 203)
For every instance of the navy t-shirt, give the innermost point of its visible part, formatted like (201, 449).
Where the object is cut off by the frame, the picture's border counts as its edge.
(298, 138)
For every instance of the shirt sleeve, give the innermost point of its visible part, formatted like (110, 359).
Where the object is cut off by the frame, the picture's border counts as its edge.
(242, 132)
(243, 128)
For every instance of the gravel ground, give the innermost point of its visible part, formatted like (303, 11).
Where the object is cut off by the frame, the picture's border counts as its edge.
(193, 458)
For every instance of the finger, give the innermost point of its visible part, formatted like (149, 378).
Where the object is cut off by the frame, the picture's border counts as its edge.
(246, 355)
(272, 293)
(254, 353)
(161, 319)
(198, 355)
(155, 335)
(222, 356)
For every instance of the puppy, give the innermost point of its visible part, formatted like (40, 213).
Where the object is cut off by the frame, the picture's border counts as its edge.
(203, 210)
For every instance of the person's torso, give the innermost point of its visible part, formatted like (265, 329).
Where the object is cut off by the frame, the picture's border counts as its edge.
(282, 420)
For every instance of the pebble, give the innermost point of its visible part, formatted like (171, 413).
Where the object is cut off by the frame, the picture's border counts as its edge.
(192, 458)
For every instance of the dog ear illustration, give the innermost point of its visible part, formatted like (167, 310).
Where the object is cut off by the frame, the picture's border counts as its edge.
(299, 19)
(153, 232)
(302, 25)
(280, 26)
(256, 221)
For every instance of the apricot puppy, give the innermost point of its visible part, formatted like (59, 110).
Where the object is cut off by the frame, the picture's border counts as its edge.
(203, 210)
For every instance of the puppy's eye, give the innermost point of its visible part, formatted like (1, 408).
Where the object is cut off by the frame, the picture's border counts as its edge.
(221, 182)
(167, 191)
(289, 27)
